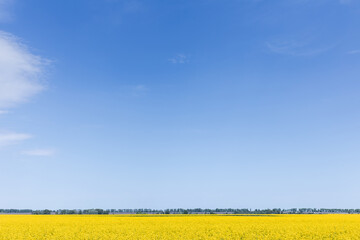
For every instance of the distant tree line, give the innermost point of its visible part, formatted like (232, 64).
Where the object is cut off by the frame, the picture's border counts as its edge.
(183, 211)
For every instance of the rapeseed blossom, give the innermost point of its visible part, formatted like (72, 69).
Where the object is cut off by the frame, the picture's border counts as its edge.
(176, 227)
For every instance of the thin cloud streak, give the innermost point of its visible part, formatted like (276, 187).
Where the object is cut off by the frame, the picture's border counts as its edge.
(354, 52)
(139, 90)
(40, 152)
(345, 1)
(179, 59)
(12, 138)
(20, 72)
(294, 48)
(20, 79)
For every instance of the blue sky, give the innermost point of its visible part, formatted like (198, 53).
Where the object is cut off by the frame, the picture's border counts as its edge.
(166, 104)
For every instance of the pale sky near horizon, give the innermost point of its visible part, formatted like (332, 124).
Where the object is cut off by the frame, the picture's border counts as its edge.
(179, 104)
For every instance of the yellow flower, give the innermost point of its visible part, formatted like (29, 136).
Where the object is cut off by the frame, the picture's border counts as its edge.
(176, 227)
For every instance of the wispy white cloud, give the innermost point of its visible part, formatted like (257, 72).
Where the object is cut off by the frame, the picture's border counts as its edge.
(179, 59)
(132, 6)
(139, 90)
(321, 1)
(20, 72)
(12, 138)
(40, 152)
(307, 1)
(354, 52)
(295, 48)
(140, 87)
(345, 1)
(20, 75)
(116, 11)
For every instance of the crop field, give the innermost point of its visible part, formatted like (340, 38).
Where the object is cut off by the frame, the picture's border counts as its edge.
(38, 227)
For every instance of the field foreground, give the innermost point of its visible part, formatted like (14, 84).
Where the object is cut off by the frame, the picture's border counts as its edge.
(179, 227)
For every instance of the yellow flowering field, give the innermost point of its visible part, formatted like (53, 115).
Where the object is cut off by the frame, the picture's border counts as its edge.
(147, 227)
